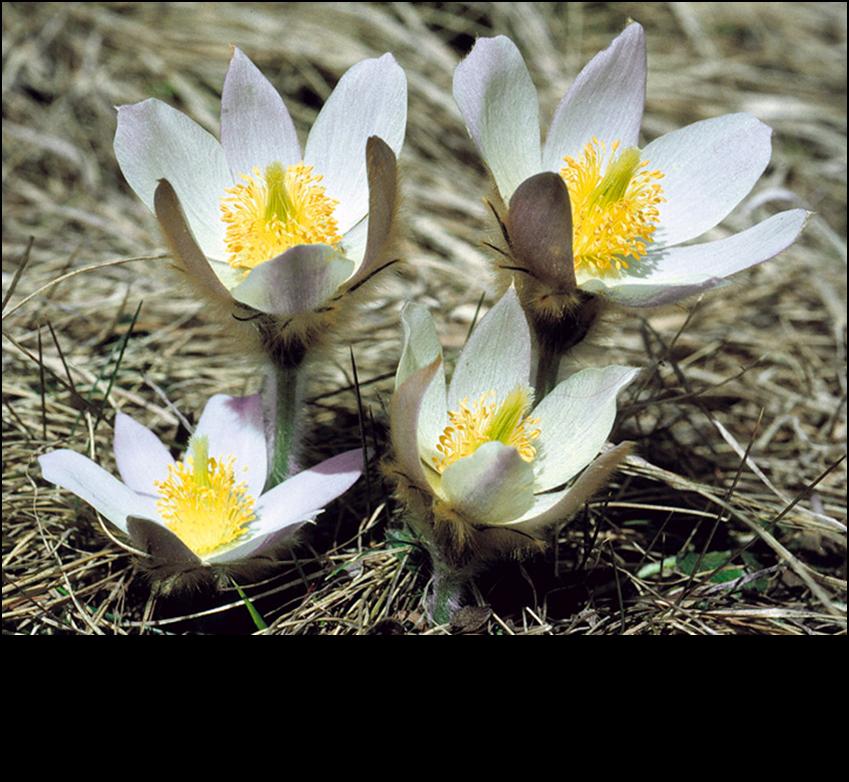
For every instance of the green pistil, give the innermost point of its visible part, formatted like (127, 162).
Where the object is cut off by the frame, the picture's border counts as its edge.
(508, 416)
(279, 204)
(619, 175)
(200, 460)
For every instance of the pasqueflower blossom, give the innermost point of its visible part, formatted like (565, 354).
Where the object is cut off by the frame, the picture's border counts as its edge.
(592, 209)
(479, 448)
(253, 220)
(209, 507)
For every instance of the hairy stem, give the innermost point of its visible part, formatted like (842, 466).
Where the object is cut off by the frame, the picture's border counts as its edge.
(449, 585)
(283, 398)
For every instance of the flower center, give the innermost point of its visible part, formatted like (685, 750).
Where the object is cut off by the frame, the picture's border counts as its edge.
(614, 206)
(201, 502)
(274, 210)
(485, 421)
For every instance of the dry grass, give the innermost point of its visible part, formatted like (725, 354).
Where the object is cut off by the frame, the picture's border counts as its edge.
(740, 416)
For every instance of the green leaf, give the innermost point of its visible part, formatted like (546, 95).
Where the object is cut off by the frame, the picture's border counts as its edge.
(724, 576)
(727, 572)
(758, 585)
(396, 538)
(258, 621)
(710, 561)
(653, 568)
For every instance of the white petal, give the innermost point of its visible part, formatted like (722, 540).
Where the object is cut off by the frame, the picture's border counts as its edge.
(153, 142)
(234, 428)
(369, 100)
(606, 100)
(421, 348)
(302, 496)
(256, 128)
(300, 280)
(574, 422)
(252, 546)
(141, 457)
(679, 272)
(241, 550)
(559, 506)
(497, 356)
(90, 482)
(227, 275)
(498, 101)
(354, 242)
(420, 344)
(708, 168)
(492, 486)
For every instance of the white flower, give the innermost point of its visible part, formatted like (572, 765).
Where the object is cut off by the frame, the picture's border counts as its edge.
(254, 218)
(477, 447)
(210, 507)
(630, 207)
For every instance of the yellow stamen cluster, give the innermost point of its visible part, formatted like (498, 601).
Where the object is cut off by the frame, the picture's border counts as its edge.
(614, 206)
(274, 210)
(486, 421)
(201, 502)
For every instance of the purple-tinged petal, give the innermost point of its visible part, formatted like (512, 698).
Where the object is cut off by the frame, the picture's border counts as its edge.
(369, 100)
(574, 421)
(256, 128)
(641, 295)
(206, 275)
(141, 457)
(498, 101)
(153, 142)
(304, 495)
(405, 410)
(255, 545)
(559, 506)
(708, 168)
(233, 426)
(605, 101)
(492, 486)
(421, 348)
(679, 272)
(91, 483)
(497, 356)
(299, 281)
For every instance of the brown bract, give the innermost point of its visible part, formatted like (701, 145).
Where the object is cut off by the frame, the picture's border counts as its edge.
(535, 255)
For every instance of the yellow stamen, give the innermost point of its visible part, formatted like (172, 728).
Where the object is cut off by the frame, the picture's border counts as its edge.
(485, 421)
(274, 210)
(201, 502)
(614, 211)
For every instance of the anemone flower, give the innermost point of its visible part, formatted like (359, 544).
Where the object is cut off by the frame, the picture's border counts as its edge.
(254, 222)
(210, 507)
(496, 469)
(589, 211)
